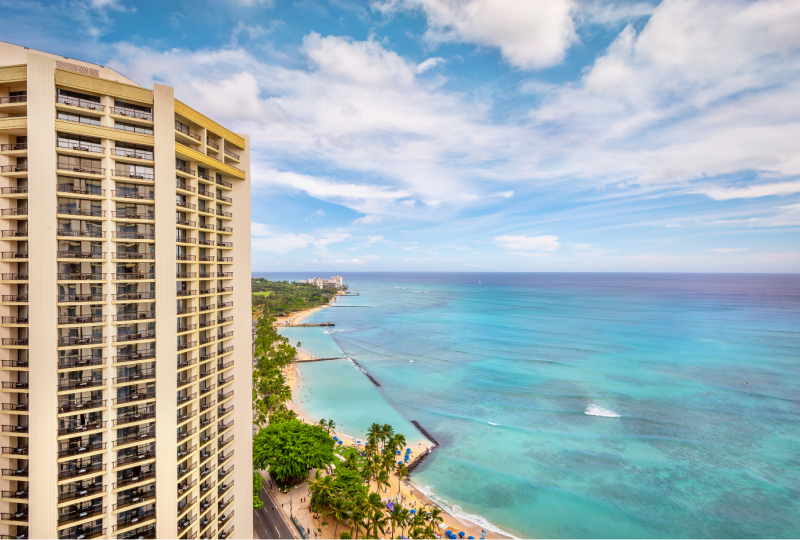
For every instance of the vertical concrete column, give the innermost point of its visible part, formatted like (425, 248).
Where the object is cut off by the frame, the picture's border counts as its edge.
(42, 293)
(166, 344)
(243, 352)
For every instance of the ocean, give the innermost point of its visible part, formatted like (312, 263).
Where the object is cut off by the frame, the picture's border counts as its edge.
(579, 405)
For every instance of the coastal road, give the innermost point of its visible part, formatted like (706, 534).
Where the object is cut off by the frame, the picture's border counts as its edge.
(269, 523)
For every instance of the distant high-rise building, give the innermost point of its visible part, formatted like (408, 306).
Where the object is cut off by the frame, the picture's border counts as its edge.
(126, 310)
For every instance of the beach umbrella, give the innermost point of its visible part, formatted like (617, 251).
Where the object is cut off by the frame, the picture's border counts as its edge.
(449, 533)
(335, 438)
(340, 442)
(413, 511)
(398, 452)
(461, 534)
(470, 538)
(399, 462)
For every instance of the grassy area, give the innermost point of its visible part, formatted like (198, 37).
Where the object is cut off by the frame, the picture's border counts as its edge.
(280, 298)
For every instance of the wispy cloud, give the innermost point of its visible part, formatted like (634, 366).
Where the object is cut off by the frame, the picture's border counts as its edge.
(530, 246)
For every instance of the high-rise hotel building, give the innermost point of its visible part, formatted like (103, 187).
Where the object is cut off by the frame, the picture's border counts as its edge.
(126, 313)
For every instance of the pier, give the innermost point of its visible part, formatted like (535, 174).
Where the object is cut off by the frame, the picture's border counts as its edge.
(420, 458)
(424, 432)
(298, 360)
(364, 371)
(299, 325)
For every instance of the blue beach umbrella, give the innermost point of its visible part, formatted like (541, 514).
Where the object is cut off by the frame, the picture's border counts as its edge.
(413, 511)
(335, 438)
(461, 534)
(470, 538)
(397, 452)
(449, 533)
(399, 462)
(340, 442)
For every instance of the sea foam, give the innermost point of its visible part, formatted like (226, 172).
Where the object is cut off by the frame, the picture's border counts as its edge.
(456, 512)
(596, 410)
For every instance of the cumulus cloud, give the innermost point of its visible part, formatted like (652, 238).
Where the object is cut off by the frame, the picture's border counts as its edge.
(528, 33)
(532, 246)
(429, 63)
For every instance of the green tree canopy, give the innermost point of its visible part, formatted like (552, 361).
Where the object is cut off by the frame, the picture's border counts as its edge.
(290, 449)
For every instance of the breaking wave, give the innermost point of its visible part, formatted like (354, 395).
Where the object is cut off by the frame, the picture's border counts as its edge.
(596, 410)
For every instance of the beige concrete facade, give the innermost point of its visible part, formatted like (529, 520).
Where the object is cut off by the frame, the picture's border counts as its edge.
(126, 311)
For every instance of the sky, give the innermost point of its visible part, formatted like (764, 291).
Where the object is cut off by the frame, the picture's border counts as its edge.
(481, 135)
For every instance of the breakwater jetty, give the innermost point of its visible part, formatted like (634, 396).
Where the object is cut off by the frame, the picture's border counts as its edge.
(320, 324)
(364, 371)
(299, 360)
(350, 306)
(420, 458)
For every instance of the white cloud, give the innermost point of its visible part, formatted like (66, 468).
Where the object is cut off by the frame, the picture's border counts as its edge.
(749, 192)
(789, 216)
(528, 33)
(252, 3)
(370, 219)
(531, 246)
(504, 194)
(319, 213)
(343, 262)
(266, 238)
(429, 63)
(726, 250)
(609, 14)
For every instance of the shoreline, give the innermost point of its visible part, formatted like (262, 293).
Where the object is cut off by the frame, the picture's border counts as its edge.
(413, 496)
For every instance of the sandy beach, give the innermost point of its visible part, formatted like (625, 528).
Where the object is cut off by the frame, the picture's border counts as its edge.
(409, 494)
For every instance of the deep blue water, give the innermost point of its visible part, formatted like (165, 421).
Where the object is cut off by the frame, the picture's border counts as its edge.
(618, 398)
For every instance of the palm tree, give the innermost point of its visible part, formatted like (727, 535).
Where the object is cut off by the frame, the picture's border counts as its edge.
(395, 518)
(378, 522)
(400, 472)
(339, 508)
(382, 479)
(358, 514)
(403, 520)
(331, 425)
(435, 519)
(322, 487)
(374, 432)
(387, 432)
(417, 524)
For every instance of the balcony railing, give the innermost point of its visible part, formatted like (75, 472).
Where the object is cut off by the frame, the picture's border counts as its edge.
(72, 211)
(144, 295)
(185, 130)
(136, 357)
(16, 276)
(89, 297)
(134, 518)
(19, 473)
(80, 492)
(81, 319)
(14, 99)
(80, 233)
(14, 190)
(138, 175)
(131, 478)
(142, 435)
(133, 153)
(185, 275)
(134, 398)
(13, 146)
(14, 168)
(184, 310)
(22, 363)
(83, 276)
(225, 229)
(14, 428)
(81, 254)
(71, 449)
(80, 514)
(79, 169)
(142, 375)
(130, 418)
(135, 316)
(142, 533)
(208, 227)
(80, 146)
(14, 211)
(126, 194)
(75, 384)
(80, 405)
(185, 169)
(184, 204)
(136, 496)
(12, 233)
(183, 257)
(82, 103)
(185, 187)
(123, 214)
(184, 399)
(231, 154)
(91, 426)
(188, 380)
(133, 276)
(81, 471)
(224, 183)
(133, 113)
(74, 361)
(186, 222)
(129, 256)
(126, 235)
(212, 144)
(80, 340)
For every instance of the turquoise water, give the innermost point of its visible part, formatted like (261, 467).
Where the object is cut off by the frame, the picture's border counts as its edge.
(337, 389)
(618, 398)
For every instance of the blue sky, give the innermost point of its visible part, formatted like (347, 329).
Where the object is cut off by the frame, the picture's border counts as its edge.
(482, 135)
